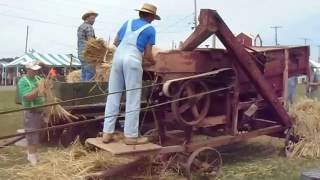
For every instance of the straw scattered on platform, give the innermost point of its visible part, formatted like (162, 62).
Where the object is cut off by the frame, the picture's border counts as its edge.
(306, 116)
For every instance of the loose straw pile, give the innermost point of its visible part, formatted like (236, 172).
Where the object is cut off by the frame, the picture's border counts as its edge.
(306, 116)
(95, 51)
(74, 162)
(53, 114)
(77, 162)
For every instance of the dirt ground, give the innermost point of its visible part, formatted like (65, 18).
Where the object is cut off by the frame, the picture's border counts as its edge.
(260, 158)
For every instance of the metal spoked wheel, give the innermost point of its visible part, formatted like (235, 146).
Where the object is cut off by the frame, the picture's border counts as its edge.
(191, 111)
(205, 163)
(290, 140)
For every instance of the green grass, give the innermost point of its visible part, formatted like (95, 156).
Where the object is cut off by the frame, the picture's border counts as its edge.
(257, 159)
(262, 158)
(9, 122)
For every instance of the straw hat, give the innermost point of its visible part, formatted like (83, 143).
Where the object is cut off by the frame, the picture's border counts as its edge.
(149, 8)
(89, 13)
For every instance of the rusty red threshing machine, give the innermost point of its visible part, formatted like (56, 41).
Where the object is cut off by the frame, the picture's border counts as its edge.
(219, 96)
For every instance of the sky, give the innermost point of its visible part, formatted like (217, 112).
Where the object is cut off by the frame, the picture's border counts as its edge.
(53, 23)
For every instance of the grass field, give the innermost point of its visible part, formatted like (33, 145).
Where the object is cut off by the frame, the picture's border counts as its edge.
(259, 158)
(9, 122)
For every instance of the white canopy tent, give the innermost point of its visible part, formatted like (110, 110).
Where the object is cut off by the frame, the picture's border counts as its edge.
(49, 59)
(54, 60)
(314, 64)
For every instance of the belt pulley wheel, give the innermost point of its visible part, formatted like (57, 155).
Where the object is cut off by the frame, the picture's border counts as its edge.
(204, 163)
(193, 110)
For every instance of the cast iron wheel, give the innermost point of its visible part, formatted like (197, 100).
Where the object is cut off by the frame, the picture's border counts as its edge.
(290, 140)
(191, 111)
(205, 163)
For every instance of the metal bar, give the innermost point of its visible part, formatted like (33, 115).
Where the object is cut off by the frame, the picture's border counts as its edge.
(172, 149)
(11, 142)
(265, 121)
(224, 140)
(198, 36)
(285, 77)
(122, 170)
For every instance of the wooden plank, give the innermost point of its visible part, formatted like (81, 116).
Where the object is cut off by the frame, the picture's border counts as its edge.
(119, 148)
(213, 121)
(228, 139)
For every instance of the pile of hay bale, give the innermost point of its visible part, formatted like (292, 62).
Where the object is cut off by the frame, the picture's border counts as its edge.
(306, 116)
(77, 162)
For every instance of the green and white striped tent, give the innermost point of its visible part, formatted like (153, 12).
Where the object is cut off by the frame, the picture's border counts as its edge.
(54, 60)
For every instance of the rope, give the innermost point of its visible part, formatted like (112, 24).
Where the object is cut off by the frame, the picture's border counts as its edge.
(101, 118)
(75, 99)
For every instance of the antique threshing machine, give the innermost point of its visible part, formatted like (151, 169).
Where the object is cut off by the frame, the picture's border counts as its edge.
(220, 96)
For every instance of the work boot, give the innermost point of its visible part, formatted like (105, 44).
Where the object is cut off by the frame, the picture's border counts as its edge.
(118, 136)
(136, 141)
(107, 138)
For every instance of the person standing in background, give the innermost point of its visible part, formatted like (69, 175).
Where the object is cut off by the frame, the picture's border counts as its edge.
(314, 82)
(86, 32)
(292, 86)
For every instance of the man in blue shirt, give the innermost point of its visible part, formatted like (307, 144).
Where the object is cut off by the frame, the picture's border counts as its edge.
(134, 43)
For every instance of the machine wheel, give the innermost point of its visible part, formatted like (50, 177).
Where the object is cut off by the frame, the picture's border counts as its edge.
(290, 140)
(191, 111)
(205, 163)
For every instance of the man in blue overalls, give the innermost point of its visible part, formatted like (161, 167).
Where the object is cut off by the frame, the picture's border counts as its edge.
(134, 41)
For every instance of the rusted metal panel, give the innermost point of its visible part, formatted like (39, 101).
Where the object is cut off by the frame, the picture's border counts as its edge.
(191, 61)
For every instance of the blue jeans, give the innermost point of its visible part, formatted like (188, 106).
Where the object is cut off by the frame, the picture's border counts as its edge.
(87, 72)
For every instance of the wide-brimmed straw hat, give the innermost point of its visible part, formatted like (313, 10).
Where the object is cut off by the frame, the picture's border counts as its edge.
(151, 9)
(89, 13)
